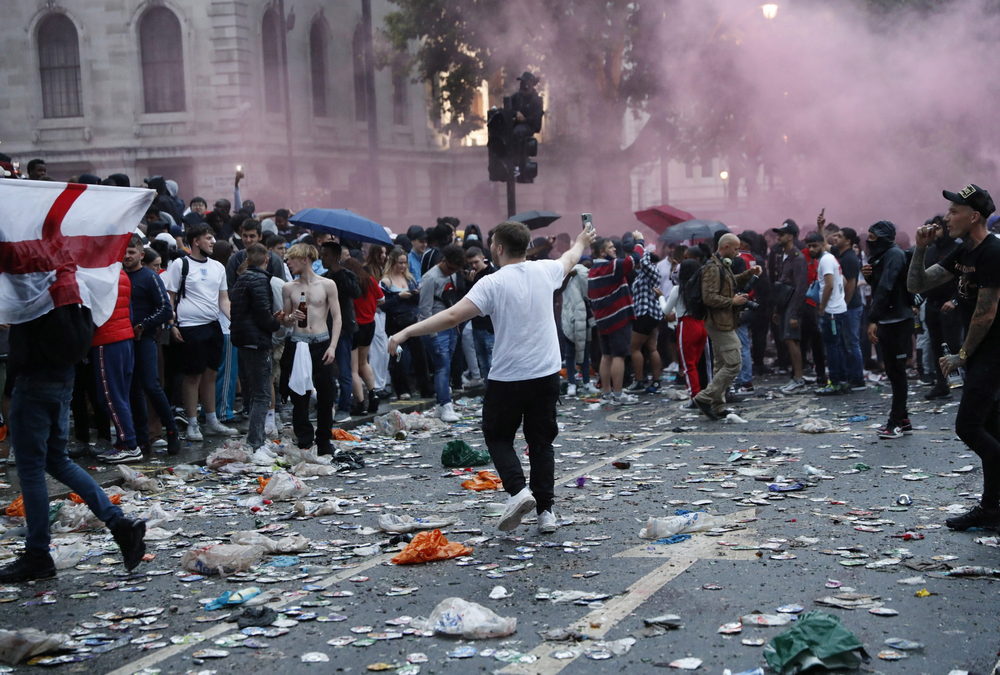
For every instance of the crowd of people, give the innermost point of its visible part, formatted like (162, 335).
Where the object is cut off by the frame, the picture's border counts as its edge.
(230, 314)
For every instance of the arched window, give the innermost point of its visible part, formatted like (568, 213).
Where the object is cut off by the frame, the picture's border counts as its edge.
(271, 51)
(317, 67)
(59, 67)
(360, 88)
(162, 61)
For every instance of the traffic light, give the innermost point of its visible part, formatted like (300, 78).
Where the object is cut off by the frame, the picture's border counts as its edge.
(528, 169)
(499, 144)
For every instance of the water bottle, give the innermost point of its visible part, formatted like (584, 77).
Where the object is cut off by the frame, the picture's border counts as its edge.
(956, 378)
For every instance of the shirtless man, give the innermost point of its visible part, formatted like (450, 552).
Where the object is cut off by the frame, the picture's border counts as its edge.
(311, 342)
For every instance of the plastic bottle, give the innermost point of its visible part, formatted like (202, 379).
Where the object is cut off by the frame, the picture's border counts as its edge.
(304, 321)
(956, 378)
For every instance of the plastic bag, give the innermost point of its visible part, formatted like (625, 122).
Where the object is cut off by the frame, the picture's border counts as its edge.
(816, 425)
(341, 435)
(138, 481)
(68, 554)
(472, 621)
(15, 508)
(390, 522)
(294, 543)
(75, 518)
(391, 423)
(816, 639)
(306, 469)
(77, 499)
(430, 546)
(461, 454)
(226, 455)
(296, 455)
(221, 558)
(328, 508)
(696, 521)
(185, 471)
(18, 645)
(157, 516)
(483, 480)
(283, 486)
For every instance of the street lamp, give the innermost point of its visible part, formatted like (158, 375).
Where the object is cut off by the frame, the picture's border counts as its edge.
(724, 175)
(770, 10)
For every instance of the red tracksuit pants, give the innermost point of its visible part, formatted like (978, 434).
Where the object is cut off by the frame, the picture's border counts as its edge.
(691, 340)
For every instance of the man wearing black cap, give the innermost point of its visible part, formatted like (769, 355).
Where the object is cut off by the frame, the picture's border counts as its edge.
(789, 295)
(976, 263)
(890, 319)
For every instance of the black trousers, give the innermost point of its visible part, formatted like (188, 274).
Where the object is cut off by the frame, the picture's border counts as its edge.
(812, 340)
(896, 343)
(977, 420)
(506, 407)
(942, 327)
(324, 384)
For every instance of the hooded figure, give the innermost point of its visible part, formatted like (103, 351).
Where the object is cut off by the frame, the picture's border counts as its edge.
(890, 299)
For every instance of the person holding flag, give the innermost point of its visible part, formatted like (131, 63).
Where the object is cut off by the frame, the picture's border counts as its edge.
(61, 247)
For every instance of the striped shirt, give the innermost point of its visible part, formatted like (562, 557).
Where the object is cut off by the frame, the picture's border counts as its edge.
(609, 293)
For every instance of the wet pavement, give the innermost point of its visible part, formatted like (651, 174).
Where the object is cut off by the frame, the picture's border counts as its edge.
(806, 522)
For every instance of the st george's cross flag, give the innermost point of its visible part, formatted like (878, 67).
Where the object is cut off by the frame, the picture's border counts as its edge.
(62, 244)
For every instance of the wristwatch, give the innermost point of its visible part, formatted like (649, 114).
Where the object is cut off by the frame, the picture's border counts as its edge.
(962, 354)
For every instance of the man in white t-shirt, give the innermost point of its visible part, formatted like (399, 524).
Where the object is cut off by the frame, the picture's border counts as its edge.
(199, 293)
(833, 315)
(523, 384)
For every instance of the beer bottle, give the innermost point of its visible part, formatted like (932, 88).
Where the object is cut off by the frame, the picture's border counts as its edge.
(304, 321)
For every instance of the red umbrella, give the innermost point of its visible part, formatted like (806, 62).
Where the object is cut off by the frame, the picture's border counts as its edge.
(659, 218)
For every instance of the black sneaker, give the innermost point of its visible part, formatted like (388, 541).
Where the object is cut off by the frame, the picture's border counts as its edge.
(373, 401)
(976, 517)
(905, 426)
(890, 430)
(706, 410)
(938, 393)
(129, 535)
(29, 566)
(173, 443)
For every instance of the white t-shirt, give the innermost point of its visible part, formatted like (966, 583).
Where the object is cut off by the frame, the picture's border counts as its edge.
(205, 280)
(828, 264)
(518, 298)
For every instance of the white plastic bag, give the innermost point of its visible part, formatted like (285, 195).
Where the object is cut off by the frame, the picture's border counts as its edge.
(472, 621)
(391, 423)
(226, 455)
(390, 522)
(327, 508)
(283, 486)
(221, 558)
(18, 645)
(307, 469)
(74, 517)
(294, 543)
(68, 553)
(137, 481)
(696, 521)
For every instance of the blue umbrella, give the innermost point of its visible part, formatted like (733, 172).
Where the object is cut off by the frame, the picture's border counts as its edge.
(342, 223)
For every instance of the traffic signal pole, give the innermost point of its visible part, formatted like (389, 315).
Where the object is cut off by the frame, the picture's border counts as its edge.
(511, 191)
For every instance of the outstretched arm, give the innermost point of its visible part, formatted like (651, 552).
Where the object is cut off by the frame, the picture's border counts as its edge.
(463, 310)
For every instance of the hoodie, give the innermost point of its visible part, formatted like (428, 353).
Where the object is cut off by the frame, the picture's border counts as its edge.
(891, 302)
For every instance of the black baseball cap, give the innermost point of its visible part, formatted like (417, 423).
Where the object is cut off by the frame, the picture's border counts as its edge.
(813, 237)
(787, 227)
(974, 197)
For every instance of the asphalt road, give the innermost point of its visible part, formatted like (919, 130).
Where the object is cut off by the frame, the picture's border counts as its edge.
(840, 534)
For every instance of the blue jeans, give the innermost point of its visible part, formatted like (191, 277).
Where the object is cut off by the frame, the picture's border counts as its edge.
(225, 380)
(39, 428)
(571, 362)
(443, 344)
(746, 370)
(146, 385)
(855, 364)
(835, 335)
(483, 340)
(344, 379)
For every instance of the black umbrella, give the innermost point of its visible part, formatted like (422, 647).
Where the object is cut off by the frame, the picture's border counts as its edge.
(692, 229)
(535, 219)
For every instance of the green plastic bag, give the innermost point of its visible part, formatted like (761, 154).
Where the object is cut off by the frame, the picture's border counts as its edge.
(461, 454)
(816, 639)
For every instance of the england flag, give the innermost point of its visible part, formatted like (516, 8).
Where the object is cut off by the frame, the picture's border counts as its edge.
(62, 243)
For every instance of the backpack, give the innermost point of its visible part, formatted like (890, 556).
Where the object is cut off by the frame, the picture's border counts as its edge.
(693, 301)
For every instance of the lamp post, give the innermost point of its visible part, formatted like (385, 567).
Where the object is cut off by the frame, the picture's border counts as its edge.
(285, 26)
(374, 185)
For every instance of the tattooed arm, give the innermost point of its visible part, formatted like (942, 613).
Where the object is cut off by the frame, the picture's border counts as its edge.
(919, 279)
(979, 326)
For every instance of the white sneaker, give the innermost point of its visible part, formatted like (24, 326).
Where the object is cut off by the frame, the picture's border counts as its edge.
(590, 389)
(194, 433)
(624, 399)
(446, 413)
(217, 428)
(547, 522)
(160, 443)
(571, 390)
(518, 507)
(793, 386)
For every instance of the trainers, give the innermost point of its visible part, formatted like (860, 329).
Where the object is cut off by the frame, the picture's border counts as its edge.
(830, 389)
(123, 455)
(636, 387)
(890, 431)
(706, 409)
(690, 405)
(29, 566)
(160, 443)
(794, 386)
(342, 416)
(129, 535)
(446, 413)
(653, 388)
(745, 388)
(405, 396)
(938, 393)
(173, 442)
(216, 428)
(518, 506)
(607, 398)
(976, 517)
(194, 433)
(547, 523)
(571, 390)
(590, 390)
(858, 386)
(905, 426)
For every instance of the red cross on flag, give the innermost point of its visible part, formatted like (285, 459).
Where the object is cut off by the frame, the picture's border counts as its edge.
(62, 243)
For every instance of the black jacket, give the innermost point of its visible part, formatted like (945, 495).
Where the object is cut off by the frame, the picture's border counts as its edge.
(890, 299)
(51, 345)
(251, 309)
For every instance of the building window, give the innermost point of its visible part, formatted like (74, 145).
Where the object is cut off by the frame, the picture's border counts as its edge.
(317, 66)
(59, 67)
(706, 169)
(360, 87)
(271, 51)
(689, 170)
(400, 99)
(162, 61)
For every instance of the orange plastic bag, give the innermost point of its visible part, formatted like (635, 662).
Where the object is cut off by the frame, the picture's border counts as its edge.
(483, 480)
(428, 547)
(263, 483)
(77, 499)
(16, 507)
(341, 435)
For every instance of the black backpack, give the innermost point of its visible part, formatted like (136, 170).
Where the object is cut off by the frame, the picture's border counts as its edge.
(691, 292)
